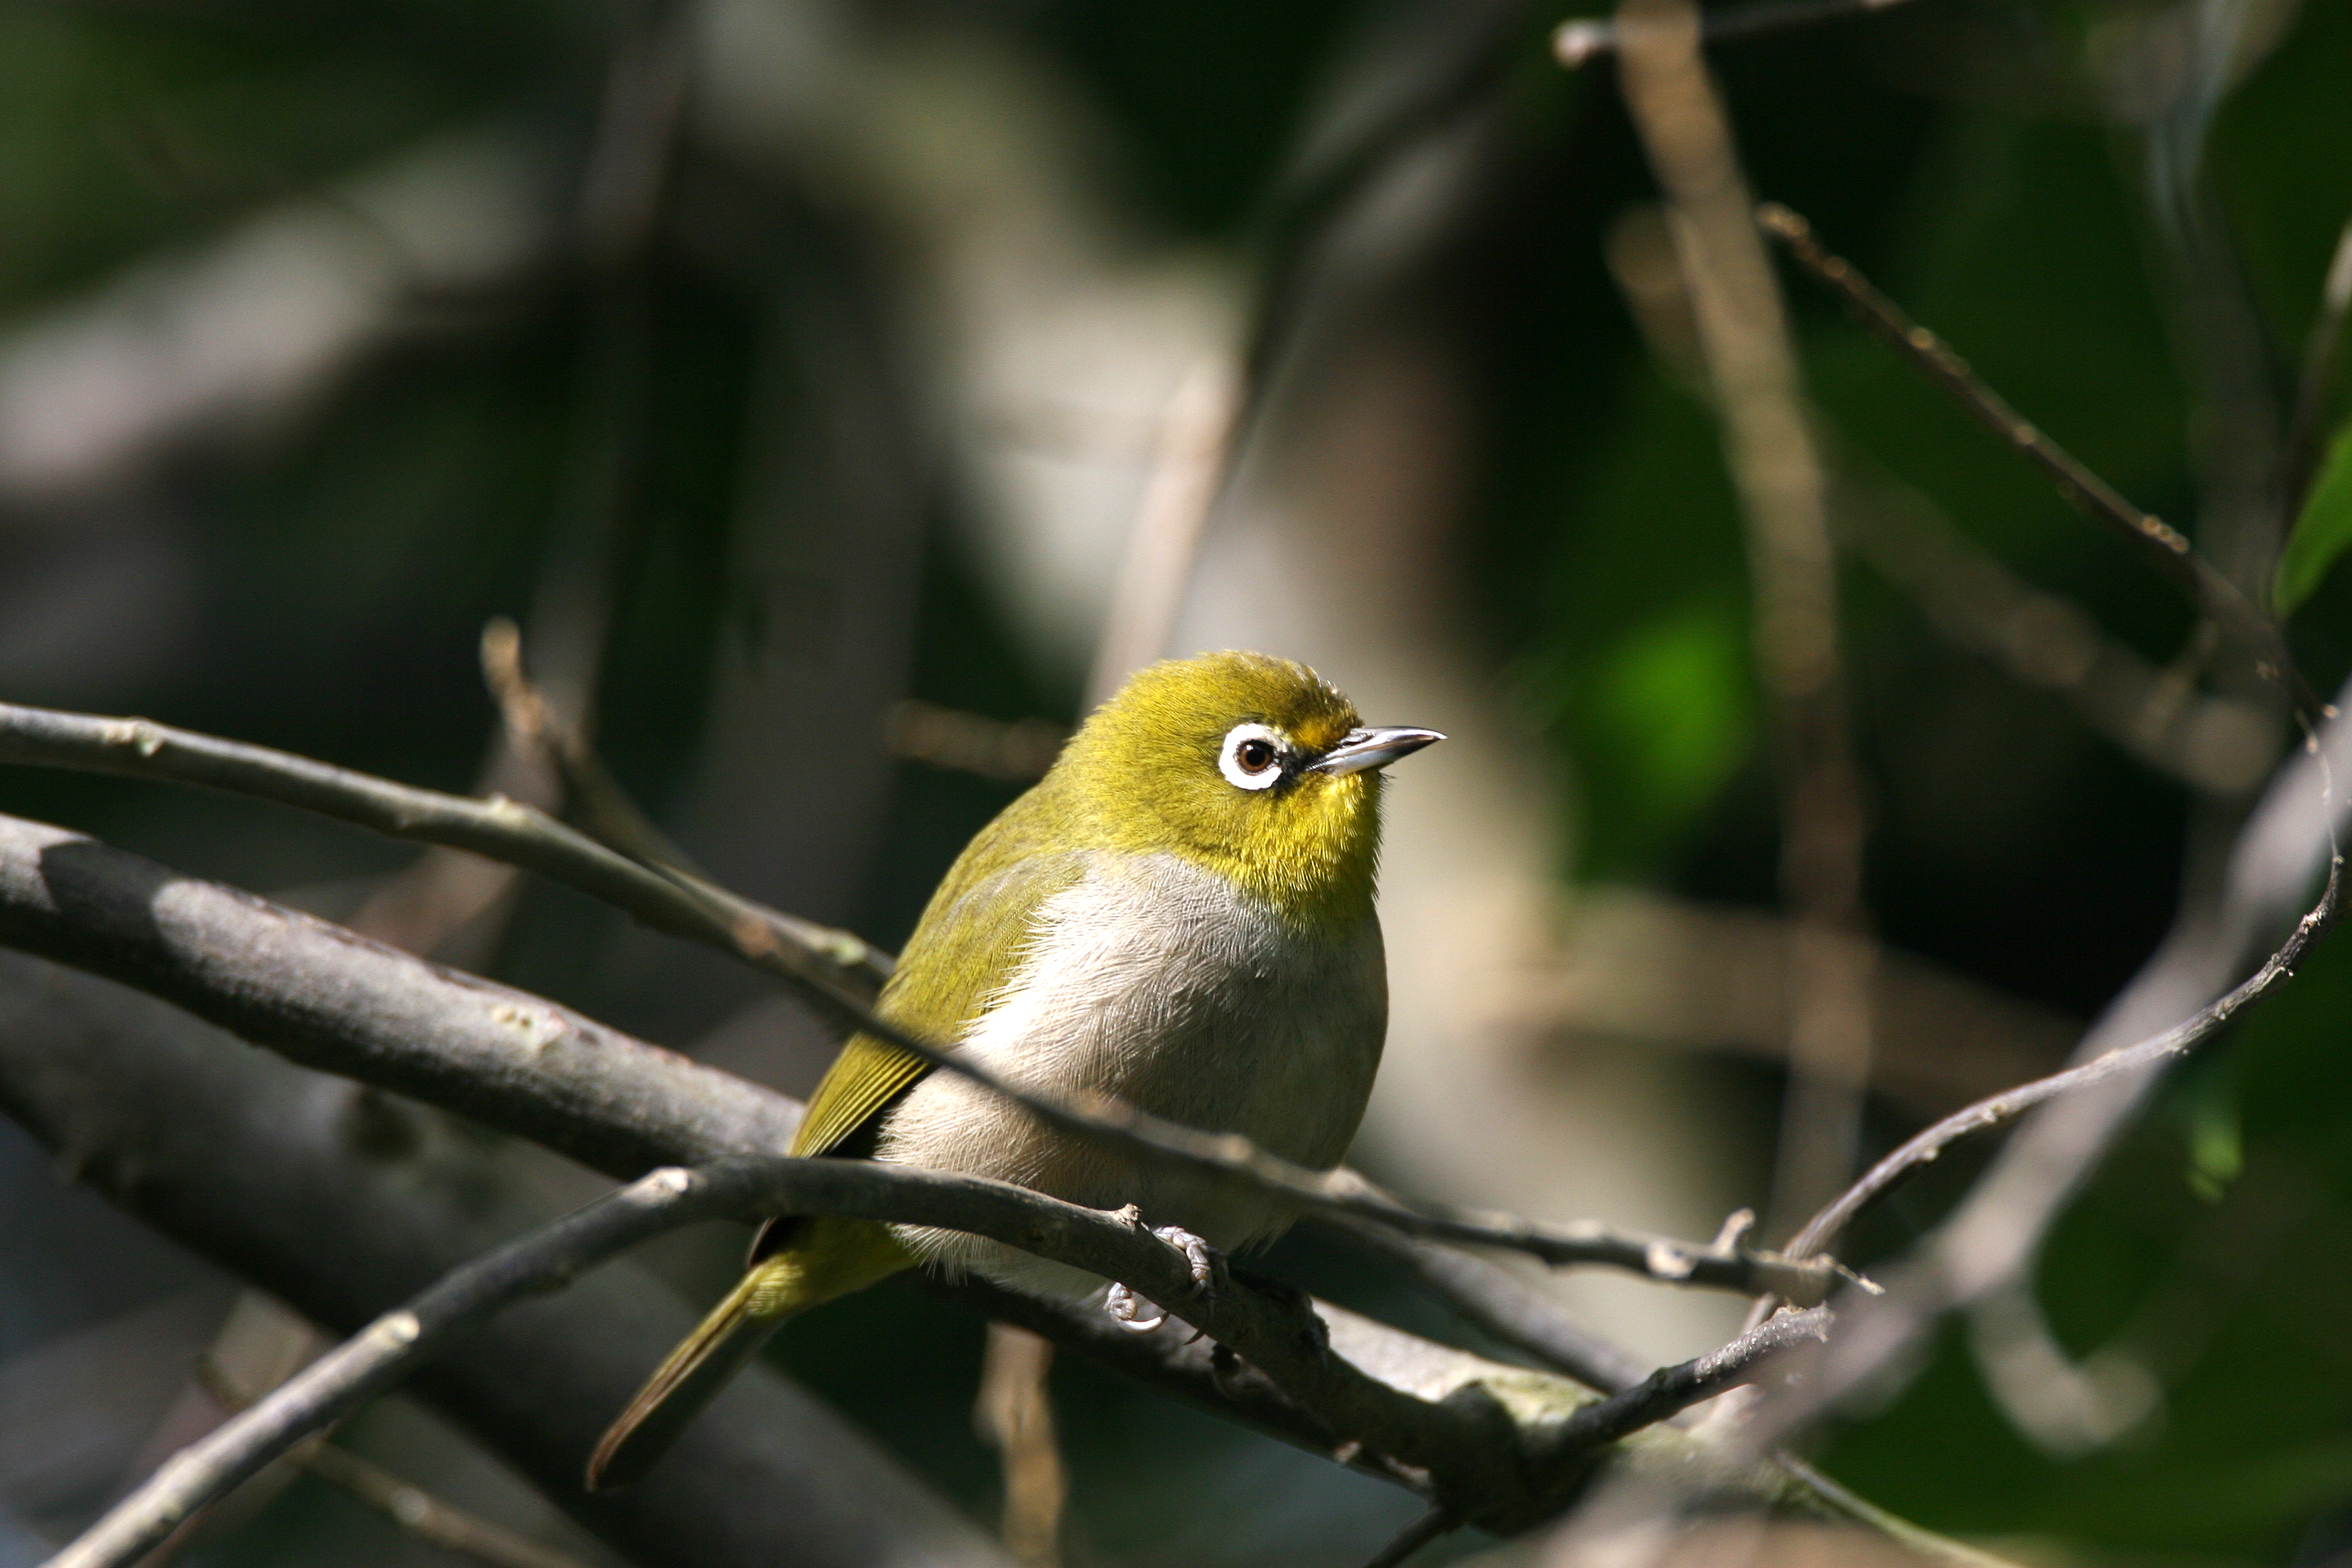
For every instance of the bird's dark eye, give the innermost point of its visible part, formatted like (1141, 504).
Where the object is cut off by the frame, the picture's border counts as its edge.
(1251, 757)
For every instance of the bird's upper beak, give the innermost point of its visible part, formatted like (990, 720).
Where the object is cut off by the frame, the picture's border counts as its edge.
(1361, 750)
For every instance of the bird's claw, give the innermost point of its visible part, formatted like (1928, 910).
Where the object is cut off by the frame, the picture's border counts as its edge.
(1204, 1261)
(1127, 1308)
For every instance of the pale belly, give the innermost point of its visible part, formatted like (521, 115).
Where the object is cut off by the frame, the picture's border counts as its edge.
(1154, 981)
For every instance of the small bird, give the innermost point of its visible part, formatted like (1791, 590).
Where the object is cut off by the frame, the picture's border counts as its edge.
(1177, 915)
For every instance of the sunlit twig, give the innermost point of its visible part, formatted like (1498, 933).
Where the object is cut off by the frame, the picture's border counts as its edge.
(2155, 540)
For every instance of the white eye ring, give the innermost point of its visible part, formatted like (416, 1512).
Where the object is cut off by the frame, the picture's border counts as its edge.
(1258, 740)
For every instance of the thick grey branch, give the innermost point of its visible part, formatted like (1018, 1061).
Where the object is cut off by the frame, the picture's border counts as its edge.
(393, 1345)
(329, 999)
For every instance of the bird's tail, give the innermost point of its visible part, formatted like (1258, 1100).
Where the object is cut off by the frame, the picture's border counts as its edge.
(825, 1259)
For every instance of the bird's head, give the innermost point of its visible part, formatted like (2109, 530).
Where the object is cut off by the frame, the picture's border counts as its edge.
(1251, 767)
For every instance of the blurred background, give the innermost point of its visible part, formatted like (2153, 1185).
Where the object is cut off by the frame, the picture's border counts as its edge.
(842, 394)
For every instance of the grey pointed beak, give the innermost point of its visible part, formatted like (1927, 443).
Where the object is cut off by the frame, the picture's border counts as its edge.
(1361, 750)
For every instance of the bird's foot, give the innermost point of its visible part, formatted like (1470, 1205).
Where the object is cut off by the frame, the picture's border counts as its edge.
(1205, 1261)
(1137, 1315)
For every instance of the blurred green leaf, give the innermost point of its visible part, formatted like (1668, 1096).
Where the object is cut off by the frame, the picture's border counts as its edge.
(1673, 698)
(2323, 530)
(2217, 1148)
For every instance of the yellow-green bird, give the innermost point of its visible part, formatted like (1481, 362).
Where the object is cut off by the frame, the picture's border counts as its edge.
(1178, 915)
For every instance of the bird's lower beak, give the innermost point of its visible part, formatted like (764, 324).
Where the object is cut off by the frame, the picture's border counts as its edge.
(1361, 750)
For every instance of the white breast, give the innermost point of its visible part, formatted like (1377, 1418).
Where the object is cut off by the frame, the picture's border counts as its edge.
(1155, 981)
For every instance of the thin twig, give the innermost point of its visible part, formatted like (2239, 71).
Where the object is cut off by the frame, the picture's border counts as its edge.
(2219, 744)
(1671, 1390)
(532, 720)
(360, 1368)
(1437, 1520)
(1923, 1149)
(821, 963)
(1577, 42)
(2157, 542)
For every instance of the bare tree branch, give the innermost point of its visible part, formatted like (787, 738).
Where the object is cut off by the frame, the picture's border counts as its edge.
(822, 963)
(1995, 1110)
(1486, 1435)
(46, 738)
(1992, 1236)
(358, 1369)
(534, 722)
(1671, 1390)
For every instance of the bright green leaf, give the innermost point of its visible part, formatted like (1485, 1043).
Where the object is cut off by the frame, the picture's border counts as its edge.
(2323, 529)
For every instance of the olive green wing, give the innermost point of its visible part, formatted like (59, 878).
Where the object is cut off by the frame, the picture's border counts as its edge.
(970, 938)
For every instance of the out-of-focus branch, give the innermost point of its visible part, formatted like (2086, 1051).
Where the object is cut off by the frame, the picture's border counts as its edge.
(1577, 42)
(1014, 1416)
(1792, 565)
(183, 345)
(820, 963)
(2216, 743)
(1991, 1238)
(1015, 751)
(2157, 542)
(1188, 464)
(2219, 744)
